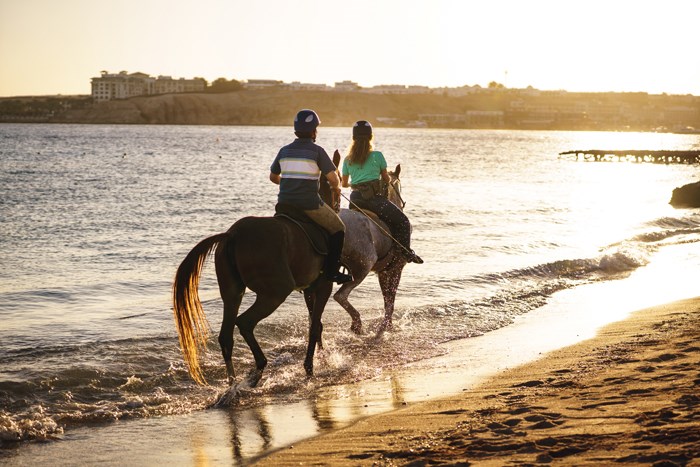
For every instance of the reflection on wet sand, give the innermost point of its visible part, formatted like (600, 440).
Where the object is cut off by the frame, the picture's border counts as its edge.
(242, 434)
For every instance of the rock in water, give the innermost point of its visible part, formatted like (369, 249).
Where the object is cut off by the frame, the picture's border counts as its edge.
(687, 196)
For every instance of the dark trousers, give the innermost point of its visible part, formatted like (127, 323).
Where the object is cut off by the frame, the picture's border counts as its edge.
(387, 211)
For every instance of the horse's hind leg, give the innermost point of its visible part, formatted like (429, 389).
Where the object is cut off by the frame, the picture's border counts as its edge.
(389, 283)
(231, 289)
(263, 306)
(232, 302)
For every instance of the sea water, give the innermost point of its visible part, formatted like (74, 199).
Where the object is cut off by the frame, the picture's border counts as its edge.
(96, 219)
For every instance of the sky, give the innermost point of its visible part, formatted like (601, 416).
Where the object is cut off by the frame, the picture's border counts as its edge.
(50, 47)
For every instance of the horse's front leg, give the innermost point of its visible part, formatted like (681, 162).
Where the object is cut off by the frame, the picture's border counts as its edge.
(389, 283)
(342, 296)
(310, 299)
(321, 295)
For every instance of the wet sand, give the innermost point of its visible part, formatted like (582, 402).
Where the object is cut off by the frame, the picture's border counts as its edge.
(629, 395)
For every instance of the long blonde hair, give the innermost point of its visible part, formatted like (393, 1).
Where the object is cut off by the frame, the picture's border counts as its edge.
(359, 150)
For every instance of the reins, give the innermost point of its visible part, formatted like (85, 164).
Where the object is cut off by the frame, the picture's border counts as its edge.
(398, 194)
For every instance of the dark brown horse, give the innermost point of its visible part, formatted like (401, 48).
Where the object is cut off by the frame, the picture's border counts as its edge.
(269, 255)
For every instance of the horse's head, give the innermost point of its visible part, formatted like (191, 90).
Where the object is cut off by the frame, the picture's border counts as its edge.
(394, 193)
(325, 191)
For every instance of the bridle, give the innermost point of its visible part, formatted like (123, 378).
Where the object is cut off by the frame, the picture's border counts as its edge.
(335, 201)
(397, 192)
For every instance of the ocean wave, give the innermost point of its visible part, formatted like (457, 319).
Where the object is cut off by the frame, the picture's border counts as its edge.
(40, 397)
(689, 221)
(138, 378)
(34, 424)
(623, 258)
(45, 390)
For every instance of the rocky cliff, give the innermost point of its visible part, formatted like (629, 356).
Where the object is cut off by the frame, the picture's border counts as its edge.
(269, 107)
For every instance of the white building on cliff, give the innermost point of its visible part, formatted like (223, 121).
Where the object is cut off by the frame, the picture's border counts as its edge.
(123, 85)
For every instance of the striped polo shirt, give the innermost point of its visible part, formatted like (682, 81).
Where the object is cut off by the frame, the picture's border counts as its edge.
(300, 164)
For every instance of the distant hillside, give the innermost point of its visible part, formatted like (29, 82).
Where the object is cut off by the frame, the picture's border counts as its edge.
(269, 107)
(498, 108)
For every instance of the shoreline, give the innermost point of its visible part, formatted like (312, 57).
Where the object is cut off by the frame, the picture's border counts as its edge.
(629, 394)
(414, 414)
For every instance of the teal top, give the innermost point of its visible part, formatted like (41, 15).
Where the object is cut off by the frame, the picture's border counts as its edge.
(367, 172)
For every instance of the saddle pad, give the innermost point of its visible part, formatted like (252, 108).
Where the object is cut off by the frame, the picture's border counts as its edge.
(317, 235)
(371, 214)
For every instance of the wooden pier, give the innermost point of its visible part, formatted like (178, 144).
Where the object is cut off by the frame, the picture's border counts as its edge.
(636, 155)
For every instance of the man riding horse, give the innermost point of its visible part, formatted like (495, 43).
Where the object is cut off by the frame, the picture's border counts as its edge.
(296, 169)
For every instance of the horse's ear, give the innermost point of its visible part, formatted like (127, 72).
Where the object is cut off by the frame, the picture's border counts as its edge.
(336, 157)
(397, 171)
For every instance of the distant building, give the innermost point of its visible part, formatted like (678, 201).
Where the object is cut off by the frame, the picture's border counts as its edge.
(412, 89)
(297, 86)
(443, 120)
(262, 83)
(124, 85)
(168, 85)
(458, 92)
(346, 86)
(388, 89)
(484, 118)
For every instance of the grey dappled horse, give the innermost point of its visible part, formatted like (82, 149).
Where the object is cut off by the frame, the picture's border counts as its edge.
(367, 249)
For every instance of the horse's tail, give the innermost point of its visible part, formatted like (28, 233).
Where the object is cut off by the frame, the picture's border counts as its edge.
(192, 326)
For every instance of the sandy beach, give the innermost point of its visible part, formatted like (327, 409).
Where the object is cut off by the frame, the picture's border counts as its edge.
(629, 395)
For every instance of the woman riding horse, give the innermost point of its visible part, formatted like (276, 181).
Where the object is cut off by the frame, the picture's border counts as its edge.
(365, 167)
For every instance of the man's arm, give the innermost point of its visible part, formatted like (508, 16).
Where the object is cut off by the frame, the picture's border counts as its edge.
(333, 180)
(275, 178)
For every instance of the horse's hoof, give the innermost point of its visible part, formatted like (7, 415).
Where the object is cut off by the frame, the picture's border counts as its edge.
(254, 377)
(229, 397)
(357, 329)
(380, 332)
(309, 370)
(385, 326)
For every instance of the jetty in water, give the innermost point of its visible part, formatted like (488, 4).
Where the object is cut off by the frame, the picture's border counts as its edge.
(636, 155)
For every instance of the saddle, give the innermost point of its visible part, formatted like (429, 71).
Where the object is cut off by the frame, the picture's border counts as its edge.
(371, 214)
(317, 235)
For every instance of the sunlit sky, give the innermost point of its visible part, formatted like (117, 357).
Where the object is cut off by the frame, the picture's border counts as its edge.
(56, 46)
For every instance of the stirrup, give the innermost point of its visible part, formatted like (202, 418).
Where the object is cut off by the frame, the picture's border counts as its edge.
(340, 277)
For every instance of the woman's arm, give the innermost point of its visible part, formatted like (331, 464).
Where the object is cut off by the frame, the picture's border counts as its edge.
(346, 181)
(385, 176)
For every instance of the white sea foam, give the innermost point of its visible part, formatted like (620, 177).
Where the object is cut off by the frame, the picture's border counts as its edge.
(34, 424)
